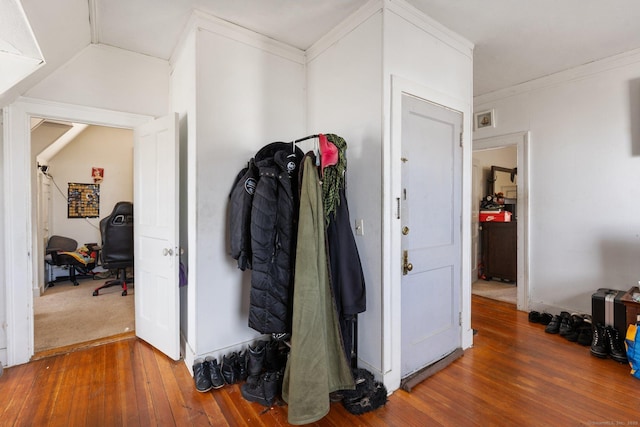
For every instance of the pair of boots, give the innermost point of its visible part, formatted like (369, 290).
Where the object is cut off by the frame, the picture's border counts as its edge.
(265, 367)
(234, 367)
(206, 374)
(606, 342)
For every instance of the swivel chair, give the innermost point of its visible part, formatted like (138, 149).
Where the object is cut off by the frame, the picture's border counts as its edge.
(61, 251)
(117, 245)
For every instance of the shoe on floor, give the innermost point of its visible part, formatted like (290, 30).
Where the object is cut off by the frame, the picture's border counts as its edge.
(201, 375)
(534, 317)
(599, 344)
(265, 390)
(566, 324)
(616, 347)
(554, 326)
(229, 369)
(545, 318)
(214, 372)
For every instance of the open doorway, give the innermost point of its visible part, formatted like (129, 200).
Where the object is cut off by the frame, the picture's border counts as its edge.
(69, 157)
(507, 152)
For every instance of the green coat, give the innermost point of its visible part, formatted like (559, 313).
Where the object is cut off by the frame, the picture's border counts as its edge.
(317, 363)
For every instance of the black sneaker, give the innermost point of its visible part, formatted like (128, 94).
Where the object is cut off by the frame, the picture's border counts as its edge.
(566, 324)
(241, 366)
(574, 326)
(214, 372)
(545, 318)
(599, 344)
(229, 369)
(554, 326)
(534, 317)
(201, 376)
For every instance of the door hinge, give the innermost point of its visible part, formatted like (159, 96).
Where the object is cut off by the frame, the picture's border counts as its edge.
(459, 318)
(460, 138)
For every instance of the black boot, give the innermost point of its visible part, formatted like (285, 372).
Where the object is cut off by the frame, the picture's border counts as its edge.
(599, 344)
(229, 369)
(265, 390)
(616, 349)
(241, 366)
(201, 375)
(255, 361)
(275, 357)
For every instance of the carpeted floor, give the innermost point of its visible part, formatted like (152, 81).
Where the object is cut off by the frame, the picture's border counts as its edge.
(68, 314)
(497, 290)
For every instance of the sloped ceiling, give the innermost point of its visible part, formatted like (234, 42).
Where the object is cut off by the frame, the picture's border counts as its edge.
(516, 40)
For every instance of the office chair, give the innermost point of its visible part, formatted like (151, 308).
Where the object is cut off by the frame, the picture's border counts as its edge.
(117, 245)
(61, 251)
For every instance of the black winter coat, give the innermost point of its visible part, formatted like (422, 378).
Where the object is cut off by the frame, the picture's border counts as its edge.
(240, 203)
(274, 218)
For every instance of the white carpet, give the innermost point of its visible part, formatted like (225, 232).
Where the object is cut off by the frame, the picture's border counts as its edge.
(493, 289)
(67, 314)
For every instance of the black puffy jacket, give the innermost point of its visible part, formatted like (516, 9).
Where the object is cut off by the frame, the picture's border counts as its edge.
(240, 203)
(274, 217)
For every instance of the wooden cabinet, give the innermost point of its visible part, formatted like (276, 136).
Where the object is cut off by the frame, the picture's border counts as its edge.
(499, 250)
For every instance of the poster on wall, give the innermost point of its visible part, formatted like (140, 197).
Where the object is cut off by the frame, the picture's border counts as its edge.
(83, 200)
(97, 174)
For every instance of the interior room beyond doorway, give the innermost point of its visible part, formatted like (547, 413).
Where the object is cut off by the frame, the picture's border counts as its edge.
(65, 155)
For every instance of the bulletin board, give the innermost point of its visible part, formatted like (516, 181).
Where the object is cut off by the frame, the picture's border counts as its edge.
(83, 200)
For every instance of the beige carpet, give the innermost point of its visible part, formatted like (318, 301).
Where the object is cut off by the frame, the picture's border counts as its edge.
(67, 314)
(493, 289)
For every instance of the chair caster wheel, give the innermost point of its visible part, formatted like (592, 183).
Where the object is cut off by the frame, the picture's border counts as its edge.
(124, 293)
(76, 284)
(95, 293)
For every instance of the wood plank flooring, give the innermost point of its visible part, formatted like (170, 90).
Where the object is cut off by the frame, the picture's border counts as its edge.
(514, 375)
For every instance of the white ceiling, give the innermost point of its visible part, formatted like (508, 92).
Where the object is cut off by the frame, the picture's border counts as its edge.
(516, 40)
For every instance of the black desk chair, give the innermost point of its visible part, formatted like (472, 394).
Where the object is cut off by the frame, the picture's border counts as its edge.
(61, 252)
(117, 245)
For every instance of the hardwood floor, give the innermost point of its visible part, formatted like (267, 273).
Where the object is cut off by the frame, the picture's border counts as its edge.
(514, 375)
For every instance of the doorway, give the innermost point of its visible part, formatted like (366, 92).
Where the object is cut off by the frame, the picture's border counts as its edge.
(20, 230)
(489, 151)
(66, 156)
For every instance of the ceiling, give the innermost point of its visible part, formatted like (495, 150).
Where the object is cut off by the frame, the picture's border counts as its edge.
(515, 40)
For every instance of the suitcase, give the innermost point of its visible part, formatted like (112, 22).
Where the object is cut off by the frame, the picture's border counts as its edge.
(607, 309)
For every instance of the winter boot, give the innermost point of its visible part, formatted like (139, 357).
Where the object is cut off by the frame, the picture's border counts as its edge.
(255, 361)
(274, 358)
(265, 390)
(229, 370)
(201, 375)
(616, 348)
(241, 366)
(214, 372)
(599, 344)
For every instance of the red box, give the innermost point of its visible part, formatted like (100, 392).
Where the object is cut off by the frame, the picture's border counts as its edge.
(504, 216)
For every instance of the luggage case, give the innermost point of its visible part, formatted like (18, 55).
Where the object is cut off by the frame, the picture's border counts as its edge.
(607, 309)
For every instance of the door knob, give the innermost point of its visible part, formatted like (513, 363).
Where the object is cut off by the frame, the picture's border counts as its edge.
(167, 251)
(405, 230)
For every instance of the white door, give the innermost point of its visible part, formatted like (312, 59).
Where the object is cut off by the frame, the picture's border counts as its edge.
(156, 234)
(431, 224)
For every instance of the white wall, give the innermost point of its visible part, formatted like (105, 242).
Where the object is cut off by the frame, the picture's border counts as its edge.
(345, 98)
(584, 168)
(249, 91)
(350, 74)
(96, 146)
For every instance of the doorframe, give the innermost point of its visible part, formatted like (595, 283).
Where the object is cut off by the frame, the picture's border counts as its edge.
(521, 140)
(391, 245)
(20, 225)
